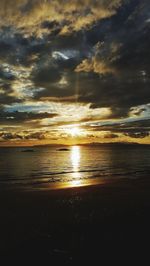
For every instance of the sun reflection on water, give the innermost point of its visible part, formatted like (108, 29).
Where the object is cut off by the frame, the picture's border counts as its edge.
(75, 161)
(75, 158)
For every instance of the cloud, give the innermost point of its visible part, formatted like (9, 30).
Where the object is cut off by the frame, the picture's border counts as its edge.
(6, 135)
(112, 73)
(94, 65)
(74, 15)
(35, 135)
(101, 61)
(110, 136)
(138, 135)
(135, 129)
(93, 54)
(21, 117)
(10, 136)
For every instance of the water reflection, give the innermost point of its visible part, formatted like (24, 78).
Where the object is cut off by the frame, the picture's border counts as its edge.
(75, 161)
(75, 158)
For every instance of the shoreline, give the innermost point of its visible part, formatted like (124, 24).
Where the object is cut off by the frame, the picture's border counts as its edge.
(76, 184)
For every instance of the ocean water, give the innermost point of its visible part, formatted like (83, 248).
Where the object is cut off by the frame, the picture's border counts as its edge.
(52, 167)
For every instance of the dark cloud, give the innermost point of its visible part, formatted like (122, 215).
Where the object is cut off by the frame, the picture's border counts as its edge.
(138, 135)
(73, 16)
(10, 136)
(35, 135)
(6, 75)
(124, 52)
(133, 129)
(119, 60)
(110, 136)
(6, 94)
(4, 136)
(13, 117)
(90, 52)
(116, 49)
(5, 49)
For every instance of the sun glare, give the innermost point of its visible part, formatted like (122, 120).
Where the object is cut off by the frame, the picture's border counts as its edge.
(74, 131)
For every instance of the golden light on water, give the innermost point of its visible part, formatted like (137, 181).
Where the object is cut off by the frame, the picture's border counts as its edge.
(76, 177)
(75, 158)
(75, 161)
(76, 183)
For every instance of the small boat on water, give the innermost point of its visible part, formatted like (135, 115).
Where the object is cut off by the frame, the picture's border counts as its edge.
(28, 150)
(63, 149)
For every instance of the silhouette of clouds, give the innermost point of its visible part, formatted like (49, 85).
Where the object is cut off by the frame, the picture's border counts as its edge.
(90, 53)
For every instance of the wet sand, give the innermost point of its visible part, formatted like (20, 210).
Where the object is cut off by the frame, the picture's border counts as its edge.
(75, 226)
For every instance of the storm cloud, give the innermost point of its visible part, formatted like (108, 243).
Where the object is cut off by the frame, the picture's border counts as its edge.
(89, 54)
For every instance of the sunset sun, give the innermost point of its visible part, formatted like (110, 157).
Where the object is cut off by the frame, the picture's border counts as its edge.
(74, 131)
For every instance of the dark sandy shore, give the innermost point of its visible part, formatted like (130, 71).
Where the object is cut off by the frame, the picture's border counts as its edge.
(75, 226)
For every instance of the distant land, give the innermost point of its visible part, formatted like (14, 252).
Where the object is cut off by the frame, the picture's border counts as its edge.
(95, 144)
(83, 144)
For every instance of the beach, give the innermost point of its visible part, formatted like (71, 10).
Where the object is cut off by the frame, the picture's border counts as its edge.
(77, 225)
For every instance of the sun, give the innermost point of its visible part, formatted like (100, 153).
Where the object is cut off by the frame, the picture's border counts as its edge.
(74, 131)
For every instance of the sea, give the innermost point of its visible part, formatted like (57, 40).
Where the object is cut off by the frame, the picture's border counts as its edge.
(52, 167)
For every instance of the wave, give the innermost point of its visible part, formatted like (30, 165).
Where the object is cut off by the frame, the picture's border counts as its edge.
(43, 178)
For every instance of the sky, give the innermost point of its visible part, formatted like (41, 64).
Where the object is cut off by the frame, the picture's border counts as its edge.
(74, 72)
